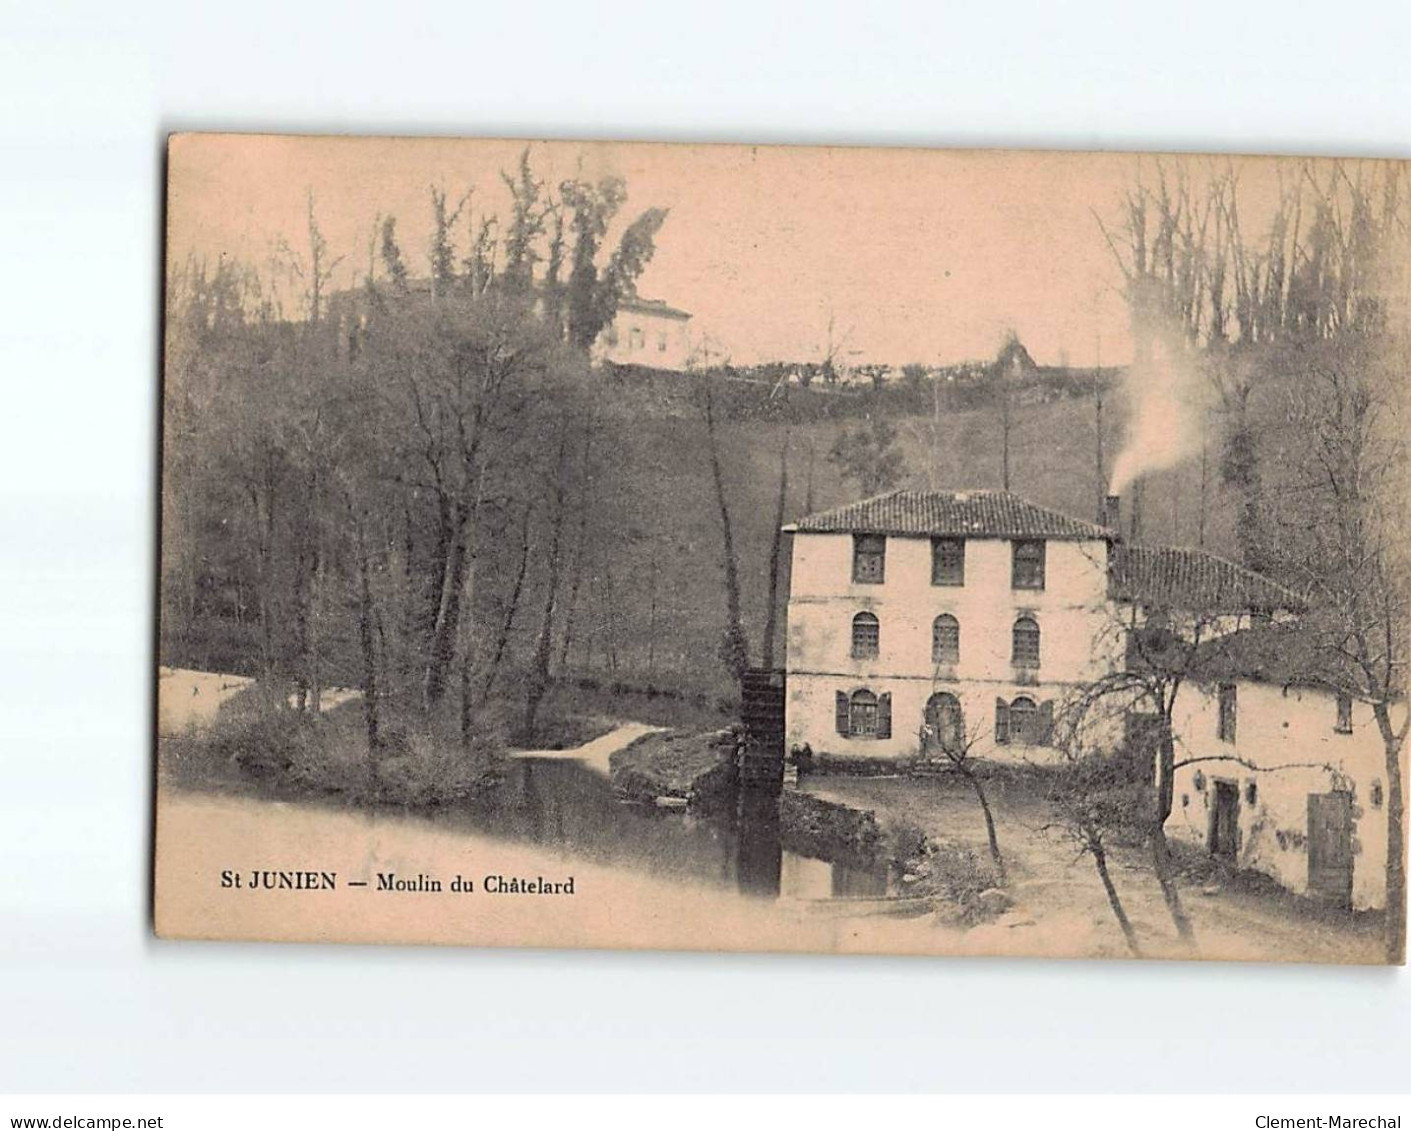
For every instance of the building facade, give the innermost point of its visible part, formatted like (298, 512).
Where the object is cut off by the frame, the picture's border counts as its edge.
(921, 616)
(1284, 779)
(919, 620)
(646, 332)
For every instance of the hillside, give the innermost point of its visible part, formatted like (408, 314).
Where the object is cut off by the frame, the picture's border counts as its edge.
(649, 607)
(664, 509)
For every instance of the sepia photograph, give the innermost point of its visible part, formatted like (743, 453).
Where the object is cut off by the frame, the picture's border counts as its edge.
(842, 550)
(615, 566)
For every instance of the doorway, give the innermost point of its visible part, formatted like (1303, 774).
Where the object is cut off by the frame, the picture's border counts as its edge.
(945, 725)
(1225, 820)
(1330, 847)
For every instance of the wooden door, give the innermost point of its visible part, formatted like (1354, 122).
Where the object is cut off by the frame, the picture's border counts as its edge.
(1330, 847)
(1225, 820)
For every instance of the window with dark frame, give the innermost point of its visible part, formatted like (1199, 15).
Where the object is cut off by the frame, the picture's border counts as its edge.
(866, 637)
(1024, 721)
(862, 714)
(1026, 643)
(1028, 571)
(1225, 729)
(945, 640)
(869, 558)
(947, 561)
(1344, 722)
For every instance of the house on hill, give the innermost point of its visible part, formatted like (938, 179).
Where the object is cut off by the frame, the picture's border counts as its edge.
(922, 619)
(646, 332)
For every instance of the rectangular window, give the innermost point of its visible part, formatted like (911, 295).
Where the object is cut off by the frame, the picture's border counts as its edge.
(1344, 723)
(1226, 730)
(635, 338)
(1028, 570)
(869, 558)
(661, 343)
(947, 561)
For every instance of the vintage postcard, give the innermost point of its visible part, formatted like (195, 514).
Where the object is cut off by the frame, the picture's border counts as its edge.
(762, 548)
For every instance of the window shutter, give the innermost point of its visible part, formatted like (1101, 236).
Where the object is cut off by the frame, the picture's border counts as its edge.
(884, 715)
(840, 702)
(1001, 721)
(1046, 723)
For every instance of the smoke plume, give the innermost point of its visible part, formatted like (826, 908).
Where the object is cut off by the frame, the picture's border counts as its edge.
(1165, 394)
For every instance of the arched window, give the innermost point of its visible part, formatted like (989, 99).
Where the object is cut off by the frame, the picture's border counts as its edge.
(1026, 643)
(1024, 721)
(945, 722)
(866, 636)
(945, 640)
(862, 714)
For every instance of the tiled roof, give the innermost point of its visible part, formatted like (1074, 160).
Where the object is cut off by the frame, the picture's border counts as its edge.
(651, 306)
(1277, 654)
(1192, 579)
(971, 514)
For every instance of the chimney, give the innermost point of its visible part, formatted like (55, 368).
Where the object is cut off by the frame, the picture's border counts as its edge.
(1111, 514)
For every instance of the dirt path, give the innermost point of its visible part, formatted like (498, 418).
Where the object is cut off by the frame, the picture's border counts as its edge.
(1060, 906)
(597, 753)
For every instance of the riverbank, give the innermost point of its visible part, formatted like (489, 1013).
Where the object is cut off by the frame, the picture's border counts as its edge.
(695, 770)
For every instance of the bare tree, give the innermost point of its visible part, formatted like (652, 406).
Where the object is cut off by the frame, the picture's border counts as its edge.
(1097, 799)
(958, 749)
(734, 648)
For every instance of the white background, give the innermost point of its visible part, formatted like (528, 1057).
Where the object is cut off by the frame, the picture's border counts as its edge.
(88, 1000)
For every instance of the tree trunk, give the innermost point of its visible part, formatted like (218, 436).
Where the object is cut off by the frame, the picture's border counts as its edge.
(444, 632)
(1113, 899)
(465, 635)
(1160, 849)
(507, 625)
(264, 524)
(366, 641)
(735, 648)
(1396, 840)
(312, 638)
(776, 549)
(975, 784)
(538, 682)
(301, 587)
(580, 550)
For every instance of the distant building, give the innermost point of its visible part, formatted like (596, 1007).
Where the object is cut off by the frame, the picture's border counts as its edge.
(646, 332)
(1014, 361)
(922, 619)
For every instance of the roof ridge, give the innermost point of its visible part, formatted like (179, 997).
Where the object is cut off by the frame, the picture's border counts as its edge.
(970, 511)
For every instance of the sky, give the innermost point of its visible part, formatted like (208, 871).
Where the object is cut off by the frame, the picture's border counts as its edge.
(914, 255)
